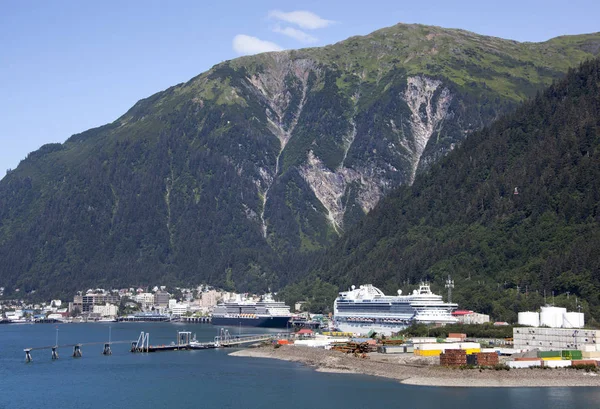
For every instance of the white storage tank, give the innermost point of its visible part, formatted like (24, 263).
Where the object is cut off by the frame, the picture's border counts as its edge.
(552, 317)
(529, 318)
(573, 320)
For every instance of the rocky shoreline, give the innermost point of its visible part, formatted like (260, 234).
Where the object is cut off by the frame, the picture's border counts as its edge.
(414, 370)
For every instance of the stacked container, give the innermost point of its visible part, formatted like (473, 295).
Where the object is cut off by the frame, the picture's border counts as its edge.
(453, 357)
(487, 358)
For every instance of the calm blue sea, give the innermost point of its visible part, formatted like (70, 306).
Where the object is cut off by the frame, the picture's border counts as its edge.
(212, 379)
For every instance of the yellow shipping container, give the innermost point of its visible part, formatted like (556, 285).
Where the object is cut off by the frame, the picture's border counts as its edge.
(552, 358)
(473, 351)
(428, 352)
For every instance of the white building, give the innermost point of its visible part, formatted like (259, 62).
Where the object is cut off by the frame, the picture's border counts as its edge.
(146, 299)
(548, 339)
(107, 310)
(179, 309)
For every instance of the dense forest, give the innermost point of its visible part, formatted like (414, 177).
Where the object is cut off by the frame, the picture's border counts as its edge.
(512, 215)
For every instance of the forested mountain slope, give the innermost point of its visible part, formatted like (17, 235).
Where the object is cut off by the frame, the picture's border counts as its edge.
(238, 176)
(511, 215)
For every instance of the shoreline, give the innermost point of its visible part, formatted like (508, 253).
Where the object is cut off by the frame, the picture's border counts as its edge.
(420, 371)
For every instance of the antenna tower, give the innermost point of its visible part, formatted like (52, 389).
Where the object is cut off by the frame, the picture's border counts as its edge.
(449, 286)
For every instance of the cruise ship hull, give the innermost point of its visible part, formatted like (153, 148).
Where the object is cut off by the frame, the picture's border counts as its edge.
(364, 329)
(262, 322)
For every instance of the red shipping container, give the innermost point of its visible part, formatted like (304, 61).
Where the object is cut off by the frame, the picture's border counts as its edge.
(584, 362)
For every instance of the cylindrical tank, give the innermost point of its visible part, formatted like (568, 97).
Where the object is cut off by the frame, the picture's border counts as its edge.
(552, 316)
(573, 320)
(529, 318)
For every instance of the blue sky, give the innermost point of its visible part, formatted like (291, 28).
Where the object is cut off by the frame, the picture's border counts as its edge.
(70, 65)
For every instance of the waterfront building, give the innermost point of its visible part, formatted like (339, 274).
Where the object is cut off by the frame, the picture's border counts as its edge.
(85, 303)
(106, 310)
(179, 309)
(548, 339)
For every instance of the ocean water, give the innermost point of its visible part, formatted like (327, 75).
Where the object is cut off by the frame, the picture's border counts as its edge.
(212, 379)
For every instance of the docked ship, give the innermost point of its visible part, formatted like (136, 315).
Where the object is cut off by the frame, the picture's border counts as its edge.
(266, 313)
(367, 308)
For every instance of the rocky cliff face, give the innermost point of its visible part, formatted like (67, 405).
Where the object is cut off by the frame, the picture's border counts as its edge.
(260, 160)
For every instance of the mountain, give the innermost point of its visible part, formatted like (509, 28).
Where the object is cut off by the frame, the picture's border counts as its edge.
(512, 214)
(241, 175)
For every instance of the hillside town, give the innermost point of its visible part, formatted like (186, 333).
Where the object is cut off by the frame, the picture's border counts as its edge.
(157, 303)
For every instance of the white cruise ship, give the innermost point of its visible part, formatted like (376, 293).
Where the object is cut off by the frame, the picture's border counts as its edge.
(264, 313)
(366, 308)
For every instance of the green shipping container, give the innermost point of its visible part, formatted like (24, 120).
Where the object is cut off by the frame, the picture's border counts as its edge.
(549, 354)
(571, 354)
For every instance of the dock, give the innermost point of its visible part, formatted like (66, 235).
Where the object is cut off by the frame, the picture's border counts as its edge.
(185, 341)
(203, 320)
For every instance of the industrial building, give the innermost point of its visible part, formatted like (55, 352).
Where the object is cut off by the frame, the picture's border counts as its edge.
(549, 339)
(470, 317)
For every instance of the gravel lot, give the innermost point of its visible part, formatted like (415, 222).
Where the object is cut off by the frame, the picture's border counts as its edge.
(416, 370)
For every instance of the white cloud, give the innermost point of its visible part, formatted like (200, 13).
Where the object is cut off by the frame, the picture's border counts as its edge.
(303, 19)
(295, 34)
(247, 45)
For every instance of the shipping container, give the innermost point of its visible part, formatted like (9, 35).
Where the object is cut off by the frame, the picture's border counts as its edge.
(572, 354)
(584, 362)
(393, 349)
(557, 364)
(549, 354)
(423, 340)
(427, 352)
(523, 364)
(470, 345)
